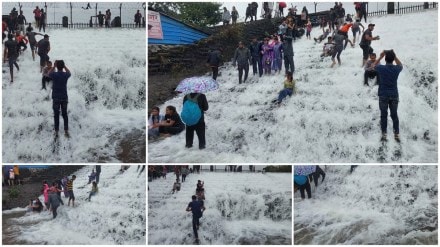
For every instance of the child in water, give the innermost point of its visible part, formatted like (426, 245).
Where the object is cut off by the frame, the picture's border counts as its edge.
(289, 87)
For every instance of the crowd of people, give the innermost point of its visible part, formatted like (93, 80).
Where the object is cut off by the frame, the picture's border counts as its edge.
(172, 124)
(196, 206)
(52, 197)
(266, 58)
(57, 75)
(11, 175)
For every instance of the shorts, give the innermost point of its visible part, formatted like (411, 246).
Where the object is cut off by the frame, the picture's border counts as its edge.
(43, 59)
(71, 195)
(12, 60)
(32, 46)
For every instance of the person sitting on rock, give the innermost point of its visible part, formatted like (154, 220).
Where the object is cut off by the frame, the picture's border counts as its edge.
(172, 125)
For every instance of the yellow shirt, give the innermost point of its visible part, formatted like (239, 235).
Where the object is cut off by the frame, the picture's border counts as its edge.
(16, 170)
(290, 85)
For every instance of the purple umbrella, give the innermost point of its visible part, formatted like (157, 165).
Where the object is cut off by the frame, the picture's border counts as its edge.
(197, 85)
(304, 170)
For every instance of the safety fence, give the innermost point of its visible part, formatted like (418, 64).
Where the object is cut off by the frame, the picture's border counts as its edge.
(403, 8)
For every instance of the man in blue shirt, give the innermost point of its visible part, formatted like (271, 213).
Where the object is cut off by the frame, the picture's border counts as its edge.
(388, 93)
(59, 95)
(197, 209)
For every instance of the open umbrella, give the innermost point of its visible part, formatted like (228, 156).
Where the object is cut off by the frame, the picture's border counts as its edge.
(283, 4)
(304, 170)
(197, 85)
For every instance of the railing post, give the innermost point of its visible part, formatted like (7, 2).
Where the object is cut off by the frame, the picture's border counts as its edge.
(120, 13)
(96, 13)
(71, 19)
(390, 7)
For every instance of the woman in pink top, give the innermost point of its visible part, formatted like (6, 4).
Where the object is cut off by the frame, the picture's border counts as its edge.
(46, 194)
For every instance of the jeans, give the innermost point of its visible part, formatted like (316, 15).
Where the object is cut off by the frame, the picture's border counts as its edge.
(288, 63)
(12, 60)
(257, 67)
(57, 104)
(97, 177)
(392, 103)
(44, 80)
(171, 130)
(366, 51)
(54, 211)
(42, 25)
(306, 187)
(371, 74)
(214, 72)
(91, 194)
(196, 223)
(154, 132)
(240, 72)
(337, 54)
(199, 128)
(284, 93)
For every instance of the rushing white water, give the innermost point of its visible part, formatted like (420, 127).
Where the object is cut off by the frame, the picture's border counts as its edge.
(373, 205)
(241, 208)
(333, 117)
(116, 215)
(106, 98)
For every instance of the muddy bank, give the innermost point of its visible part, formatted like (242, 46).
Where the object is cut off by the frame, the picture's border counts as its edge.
(133, 147)
(19, 195)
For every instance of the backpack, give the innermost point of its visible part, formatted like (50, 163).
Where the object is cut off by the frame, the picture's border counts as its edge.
(191, 112)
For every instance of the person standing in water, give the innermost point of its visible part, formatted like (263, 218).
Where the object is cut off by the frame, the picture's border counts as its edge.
(197, 208)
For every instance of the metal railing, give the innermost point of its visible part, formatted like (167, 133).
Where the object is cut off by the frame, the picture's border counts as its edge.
(395, 8)
(87, 25)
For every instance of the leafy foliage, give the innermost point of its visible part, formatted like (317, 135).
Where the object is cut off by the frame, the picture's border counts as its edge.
(14, 192)
(202, 14)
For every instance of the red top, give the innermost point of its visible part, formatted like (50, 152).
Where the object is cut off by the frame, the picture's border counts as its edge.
(37, 12)
(21, 38)
(346, 27)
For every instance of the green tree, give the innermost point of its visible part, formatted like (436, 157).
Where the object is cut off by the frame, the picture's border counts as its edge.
(201, 14)
(168, 8)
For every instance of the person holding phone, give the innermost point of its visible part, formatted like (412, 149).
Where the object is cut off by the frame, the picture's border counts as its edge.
(59, 95)
(388, 93)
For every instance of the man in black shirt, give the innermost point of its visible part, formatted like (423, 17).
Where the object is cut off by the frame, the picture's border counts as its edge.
(100, 19)
(10, 52)
(43, 50)
(21, 21)
(365, 44)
